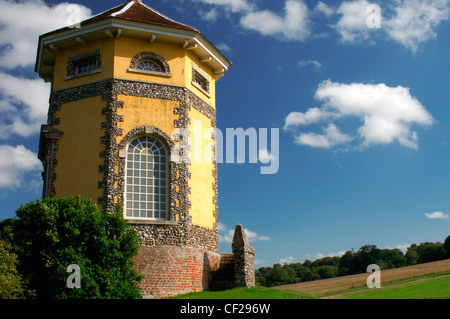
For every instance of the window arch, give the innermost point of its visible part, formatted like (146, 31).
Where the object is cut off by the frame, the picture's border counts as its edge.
(147, 179)
(149, 63)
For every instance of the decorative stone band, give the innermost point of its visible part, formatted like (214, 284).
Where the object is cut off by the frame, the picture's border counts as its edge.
(180, 231)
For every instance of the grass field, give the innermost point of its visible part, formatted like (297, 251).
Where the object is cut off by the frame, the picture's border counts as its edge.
(429, 288)
(247, 293)
(339, 285)
(424, 281)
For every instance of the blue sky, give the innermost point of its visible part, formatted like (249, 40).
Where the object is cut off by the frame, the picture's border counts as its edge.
(362, 111)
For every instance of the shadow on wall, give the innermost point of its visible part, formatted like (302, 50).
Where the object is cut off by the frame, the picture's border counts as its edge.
(236, 269)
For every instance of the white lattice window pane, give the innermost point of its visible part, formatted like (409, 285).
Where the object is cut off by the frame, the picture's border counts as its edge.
(148, 65)
(145, 195)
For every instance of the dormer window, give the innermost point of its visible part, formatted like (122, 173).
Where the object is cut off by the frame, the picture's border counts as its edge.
(83, 64)
(149, 63)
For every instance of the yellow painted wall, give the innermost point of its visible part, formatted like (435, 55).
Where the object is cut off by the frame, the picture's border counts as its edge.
(192, 58)
(78, 156)
(201, 181)
(179, 60)
(139, 111)
(106, 47)
(126, 48)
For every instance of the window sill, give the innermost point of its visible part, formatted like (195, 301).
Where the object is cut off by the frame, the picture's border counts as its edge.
(151, 221)
(201, 89)
(163, 74)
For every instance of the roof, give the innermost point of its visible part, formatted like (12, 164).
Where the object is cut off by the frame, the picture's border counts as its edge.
(137, 11)
(133, 19)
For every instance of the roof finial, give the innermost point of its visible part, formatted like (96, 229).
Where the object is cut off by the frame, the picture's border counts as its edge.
(140, 1)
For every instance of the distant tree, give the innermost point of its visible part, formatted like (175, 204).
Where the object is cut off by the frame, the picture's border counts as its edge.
(327, 271)
(365, 256)
(325, 261)
(53, 233)
(305, 274)
(447, 247)
(429, 251)
(412, 257)
(347, 264)
(393, 258)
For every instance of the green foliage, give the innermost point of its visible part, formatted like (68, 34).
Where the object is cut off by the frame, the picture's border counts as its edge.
(327, 271)
(352, 262)
(428, 251)
(53, 233)
(12, 285)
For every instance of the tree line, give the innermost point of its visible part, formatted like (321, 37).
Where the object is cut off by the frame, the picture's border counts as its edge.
(352, 262)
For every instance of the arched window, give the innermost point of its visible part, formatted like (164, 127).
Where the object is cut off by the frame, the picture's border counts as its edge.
(146, 179)
(149, 63)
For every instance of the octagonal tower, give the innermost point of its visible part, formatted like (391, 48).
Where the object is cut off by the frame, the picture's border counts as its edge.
(131, 90)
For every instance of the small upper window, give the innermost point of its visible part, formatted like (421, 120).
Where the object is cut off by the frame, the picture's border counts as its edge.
(83, 64)
(85, 67)
(200, 79)
(149, 63)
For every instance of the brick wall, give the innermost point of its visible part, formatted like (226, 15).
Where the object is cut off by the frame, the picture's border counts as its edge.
(223, 278)
(171, 270)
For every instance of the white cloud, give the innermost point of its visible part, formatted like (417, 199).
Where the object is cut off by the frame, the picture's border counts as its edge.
(15, 162)
(293, 26)
(352, 25)
(222, 46)
(387, 114)
(324, 8)
(23, 21)
(24, 102)
(210, 15)
(414, 21)
(331, 137)
(265, 156)
(408, 22)
(338, 254)
(287, 260)
(437, 215)
(312, 115)
(226, 235)
(317, 65)
(402, 247)
(23, 107)
(232, 5)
